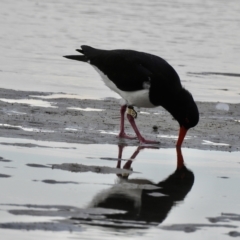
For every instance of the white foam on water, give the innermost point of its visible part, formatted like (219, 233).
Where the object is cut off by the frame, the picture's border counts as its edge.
(71, 129)
(25, 128)
(31, 102)
(86, 109)
(107, 132)
(58, 95)
(15, 113)
(146, 113)
(172, 136)
(206, 142)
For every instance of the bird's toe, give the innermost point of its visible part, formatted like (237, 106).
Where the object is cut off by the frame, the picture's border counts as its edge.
(124, 135)
(145, 141)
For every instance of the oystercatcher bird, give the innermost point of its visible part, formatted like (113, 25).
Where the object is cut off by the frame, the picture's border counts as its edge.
(142, 80)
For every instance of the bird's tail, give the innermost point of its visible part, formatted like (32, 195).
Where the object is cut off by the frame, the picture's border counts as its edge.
(88, 53)
(77, 57)
(82, 58)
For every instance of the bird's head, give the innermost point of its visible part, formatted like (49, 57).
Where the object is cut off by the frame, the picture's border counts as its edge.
(186, 113)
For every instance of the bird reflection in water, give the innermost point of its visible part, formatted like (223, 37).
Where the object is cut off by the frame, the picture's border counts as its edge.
(145, 203)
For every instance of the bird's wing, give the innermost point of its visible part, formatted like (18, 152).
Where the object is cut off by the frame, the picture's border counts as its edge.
(126, 74)
(131, 70)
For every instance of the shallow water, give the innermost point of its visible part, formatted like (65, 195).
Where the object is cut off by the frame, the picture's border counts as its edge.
(69, 191)
(200, 39)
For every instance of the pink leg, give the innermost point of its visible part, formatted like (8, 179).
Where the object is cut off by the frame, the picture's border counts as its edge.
(120, 150)
(140, 137)
(128, 164)
(122, 133)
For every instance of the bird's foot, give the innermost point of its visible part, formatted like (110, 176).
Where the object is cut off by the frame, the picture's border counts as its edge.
(124, 135)
(145, 141)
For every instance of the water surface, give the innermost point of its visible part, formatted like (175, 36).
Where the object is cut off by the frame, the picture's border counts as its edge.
(199, 38)
(85, 191)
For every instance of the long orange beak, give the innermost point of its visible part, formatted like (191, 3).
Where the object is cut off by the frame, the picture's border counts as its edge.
(182, 133)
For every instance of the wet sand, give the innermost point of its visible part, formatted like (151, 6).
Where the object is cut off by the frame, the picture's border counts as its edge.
(64, 118)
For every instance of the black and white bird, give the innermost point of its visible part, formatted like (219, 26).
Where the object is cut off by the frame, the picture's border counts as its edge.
(142, 80)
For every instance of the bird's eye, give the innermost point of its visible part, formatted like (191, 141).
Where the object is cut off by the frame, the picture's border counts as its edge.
(187, 120)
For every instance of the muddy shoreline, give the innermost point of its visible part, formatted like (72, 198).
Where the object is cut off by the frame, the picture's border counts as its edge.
(68, 119)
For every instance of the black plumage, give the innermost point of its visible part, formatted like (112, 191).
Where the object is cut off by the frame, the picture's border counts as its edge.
(133, 74)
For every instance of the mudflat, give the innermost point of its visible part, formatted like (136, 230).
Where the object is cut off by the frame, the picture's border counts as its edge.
(64, 118)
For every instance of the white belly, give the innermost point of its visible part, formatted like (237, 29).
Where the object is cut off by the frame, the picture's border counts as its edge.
(135, 98)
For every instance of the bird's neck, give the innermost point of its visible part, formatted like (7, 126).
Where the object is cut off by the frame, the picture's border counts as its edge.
(175, 103)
